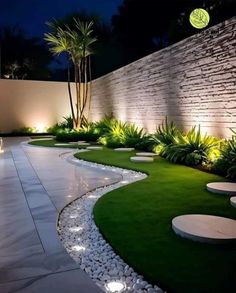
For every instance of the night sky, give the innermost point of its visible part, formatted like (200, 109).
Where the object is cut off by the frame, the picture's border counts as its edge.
(31, 15)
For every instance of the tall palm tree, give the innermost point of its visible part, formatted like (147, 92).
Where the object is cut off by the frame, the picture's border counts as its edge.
(77, 45)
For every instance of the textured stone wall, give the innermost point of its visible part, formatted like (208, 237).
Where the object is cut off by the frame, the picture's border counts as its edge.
(192, 82)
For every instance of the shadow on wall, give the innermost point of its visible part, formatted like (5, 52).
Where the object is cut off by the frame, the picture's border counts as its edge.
(173, 78)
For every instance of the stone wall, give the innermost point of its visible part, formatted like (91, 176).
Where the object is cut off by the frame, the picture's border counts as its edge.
(192, 82)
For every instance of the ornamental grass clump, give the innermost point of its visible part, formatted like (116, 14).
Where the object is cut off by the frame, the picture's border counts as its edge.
(193, 148)
(115, 136)
(167, 134)
(133, 135)
(226, 163)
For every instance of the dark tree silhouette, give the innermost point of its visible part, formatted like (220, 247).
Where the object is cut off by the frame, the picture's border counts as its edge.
(144, 26)
(22, 57)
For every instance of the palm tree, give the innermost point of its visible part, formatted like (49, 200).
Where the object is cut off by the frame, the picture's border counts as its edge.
(76, 44)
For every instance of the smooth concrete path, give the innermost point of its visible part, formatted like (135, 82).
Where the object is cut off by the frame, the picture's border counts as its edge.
(35, 184)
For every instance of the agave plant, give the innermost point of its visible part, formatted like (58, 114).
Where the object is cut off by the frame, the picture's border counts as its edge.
(166, 134)
(193, 148)
(226, 164)
(132, 135)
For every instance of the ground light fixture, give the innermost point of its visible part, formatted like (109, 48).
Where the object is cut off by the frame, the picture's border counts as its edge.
(1, 145)
(115, 287)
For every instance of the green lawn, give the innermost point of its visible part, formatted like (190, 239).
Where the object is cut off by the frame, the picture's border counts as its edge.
(136, 220)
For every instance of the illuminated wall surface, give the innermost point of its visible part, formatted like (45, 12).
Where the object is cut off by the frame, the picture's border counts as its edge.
(37, 104)
(191, 82)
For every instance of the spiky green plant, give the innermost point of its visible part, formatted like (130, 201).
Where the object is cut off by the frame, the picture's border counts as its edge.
(115, 137)
(104, 125)
(132, 135)
(193, 148)
(166, 134)
(226, 164)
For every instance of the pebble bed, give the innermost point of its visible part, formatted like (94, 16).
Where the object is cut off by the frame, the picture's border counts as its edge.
(86, 245)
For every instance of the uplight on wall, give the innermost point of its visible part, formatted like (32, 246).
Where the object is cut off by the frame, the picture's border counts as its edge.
(1, 145)
(41, 128)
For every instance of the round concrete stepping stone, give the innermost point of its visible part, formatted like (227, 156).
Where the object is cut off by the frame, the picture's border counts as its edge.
(141, 159)
(222, 187)
(124, 149)
(205, 228)
(233, 201)
(61, 144)
(146, 154)
(83, 143)
(94, 148)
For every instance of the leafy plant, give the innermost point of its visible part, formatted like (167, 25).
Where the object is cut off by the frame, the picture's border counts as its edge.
(115, 137)
(58, 127)
(25, 130)
(166, 134)
(226, 164)
(193, 148)
(146, 143)
(132, 135)
(104, 125)
(76, 43)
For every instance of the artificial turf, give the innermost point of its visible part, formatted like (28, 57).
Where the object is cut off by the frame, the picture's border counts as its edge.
(136, 220)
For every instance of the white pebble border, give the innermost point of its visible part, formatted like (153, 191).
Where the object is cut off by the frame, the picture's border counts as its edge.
(86, 245)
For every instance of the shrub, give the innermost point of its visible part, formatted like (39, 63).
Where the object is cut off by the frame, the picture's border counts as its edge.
(132, 135)
(89, 133)
(226, 164)
(115, 136)
(165, 135)
(193, 148)
(145, 144)
(25, 130)
(104, 125)
(67, 124)
(67, 136)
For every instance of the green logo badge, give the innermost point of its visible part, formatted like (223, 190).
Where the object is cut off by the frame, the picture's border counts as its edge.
(199, 18)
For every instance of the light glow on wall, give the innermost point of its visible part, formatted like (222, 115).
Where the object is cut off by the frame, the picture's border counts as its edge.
(41, 128)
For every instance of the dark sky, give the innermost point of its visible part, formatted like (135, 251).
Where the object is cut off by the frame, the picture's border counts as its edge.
(31, 15)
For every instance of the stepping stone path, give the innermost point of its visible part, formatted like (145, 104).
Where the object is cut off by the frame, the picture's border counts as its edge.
(205, 228)
(222, 187)
(82, 142)
(146, 154)
(233, 201)
(141, 159)
(94, 148)
(124, 149)
(61, 144)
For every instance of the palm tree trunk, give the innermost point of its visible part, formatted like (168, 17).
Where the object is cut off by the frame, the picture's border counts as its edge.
(89, 86)
(70, 95)
(77, 88)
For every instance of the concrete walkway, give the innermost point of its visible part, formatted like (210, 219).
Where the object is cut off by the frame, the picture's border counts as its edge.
(35, 184)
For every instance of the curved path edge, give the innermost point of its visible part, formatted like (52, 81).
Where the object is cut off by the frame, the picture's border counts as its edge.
(83, 241)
